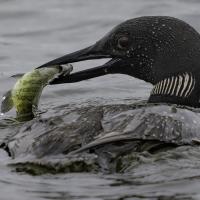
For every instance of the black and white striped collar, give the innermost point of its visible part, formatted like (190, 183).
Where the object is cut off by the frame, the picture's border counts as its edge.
(181, 85)
(181, 89)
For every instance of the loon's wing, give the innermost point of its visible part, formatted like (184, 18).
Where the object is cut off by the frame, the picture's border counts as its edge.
(108, 138)
(17, 76)
(154, 123)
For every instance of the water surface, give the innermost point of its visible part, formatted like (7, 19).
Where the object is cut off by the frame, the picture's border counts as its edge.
(34, 32)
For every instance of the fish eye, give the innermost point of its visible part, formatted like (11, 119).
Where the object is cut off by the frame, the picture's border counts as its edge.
(123, 42)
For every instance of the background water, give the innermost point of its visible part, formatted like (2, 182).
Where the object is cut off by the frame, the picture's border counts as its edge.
(33, 32)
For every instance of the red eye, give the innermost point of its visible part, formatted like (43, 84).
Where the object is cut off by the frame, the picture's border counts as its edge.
(123, 42)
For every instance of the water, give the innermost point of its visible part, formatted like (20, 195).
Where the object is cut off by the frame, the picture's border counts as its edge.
(34, 32)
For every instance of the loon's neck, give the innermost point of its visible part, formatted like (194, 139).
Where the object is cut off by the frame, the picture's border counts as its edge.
(182, 89)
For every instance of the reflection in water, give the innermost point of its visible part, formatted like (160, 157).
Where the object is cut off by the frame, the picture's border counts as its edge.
(33, 33)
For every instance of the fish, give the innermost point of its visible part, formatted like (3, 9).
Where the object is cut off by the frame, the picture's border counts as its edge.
(25, 94)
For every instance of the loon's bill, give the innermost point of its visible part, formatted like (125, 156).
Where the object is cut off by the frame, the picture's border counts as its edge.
(161, 50)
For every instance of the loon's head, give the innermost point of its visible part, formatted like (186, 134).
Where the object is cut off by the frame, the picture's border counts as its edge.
(164, 51)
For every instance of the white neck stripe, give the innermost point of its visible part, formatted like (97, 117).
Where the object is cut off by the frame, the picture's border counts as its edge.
(180, 86)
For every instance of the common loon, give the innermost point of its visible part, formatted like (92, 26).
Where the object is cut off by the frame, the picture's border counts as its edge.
(161, 50)
(164, 51)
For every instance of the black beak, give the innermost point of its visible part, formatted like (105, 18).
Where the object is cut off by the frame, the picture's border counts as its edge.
(88, 53)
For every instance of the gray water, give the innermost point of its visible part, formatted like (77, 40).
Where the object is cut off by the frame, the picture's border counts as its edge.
(33, 32)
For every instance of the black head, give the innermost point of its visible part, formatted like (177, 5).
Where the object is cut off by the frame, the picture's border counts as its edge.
(151, 48)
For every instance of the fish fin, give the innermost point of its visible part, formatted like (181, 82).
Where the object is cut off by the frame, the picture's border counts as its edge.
(66, 69)
(17, 76)
(7, 102)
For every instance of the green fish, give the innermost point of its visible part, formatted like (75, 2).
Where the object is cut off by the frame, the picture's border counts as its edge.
(25, 94)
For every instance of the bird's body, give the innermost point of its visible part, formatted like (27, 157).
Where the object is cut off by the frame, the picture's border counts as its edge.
(163, 51)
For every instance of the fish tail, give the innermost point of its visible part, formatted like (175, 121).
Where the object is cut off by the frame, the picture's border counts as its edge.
(7, 102)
